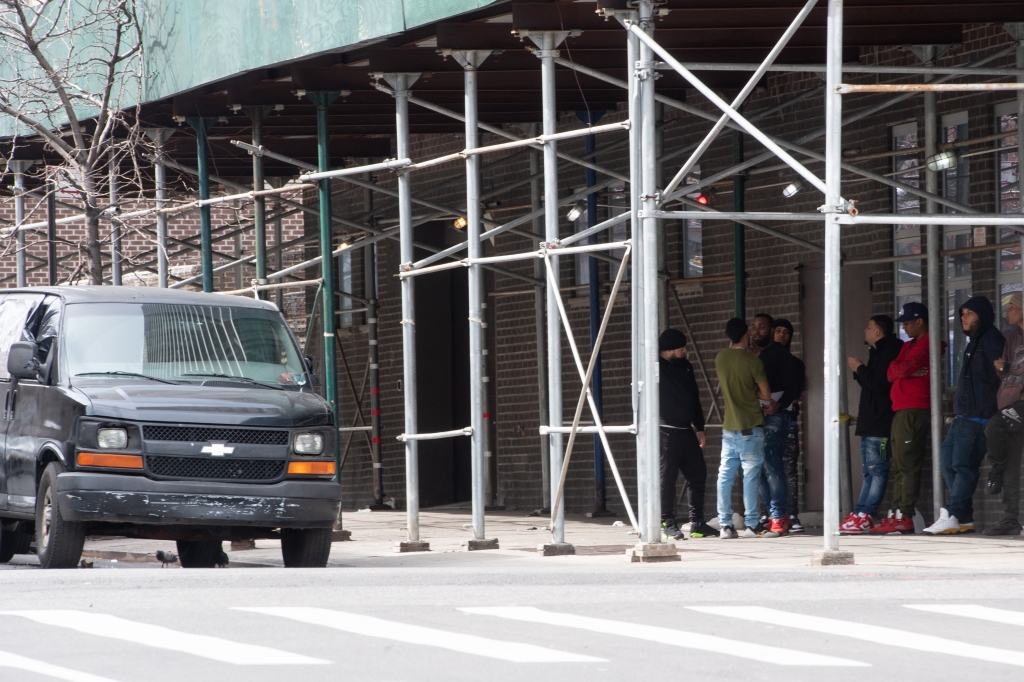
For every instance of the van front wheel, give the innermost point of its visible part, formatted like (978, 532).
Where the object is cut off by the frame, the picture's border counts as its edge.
(306, 547)
(58, 542)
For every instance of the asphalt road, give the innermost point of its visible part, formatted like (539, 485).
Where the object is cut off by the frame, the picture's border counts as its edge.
(440, 619)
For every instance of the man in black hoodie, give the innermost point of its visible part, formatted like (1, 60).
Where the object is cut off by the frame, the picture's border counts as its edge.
(874, 420)
(682, 436)
(974, 404)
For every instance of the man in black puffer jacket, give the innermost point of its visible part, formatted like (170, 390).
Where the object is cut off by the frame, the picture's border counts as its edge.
(974, 404)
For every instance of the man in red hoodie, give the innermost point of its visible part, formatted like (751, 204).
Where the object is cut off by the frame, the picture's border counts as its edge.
(910, 424)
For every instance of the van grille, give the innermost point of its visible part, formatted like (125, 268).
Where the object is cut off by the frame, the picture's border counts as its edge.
(216, 469)
(202, 434)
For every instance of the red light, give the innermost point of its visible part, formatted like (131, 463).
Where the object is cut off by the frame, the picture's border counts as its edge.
(703, 199)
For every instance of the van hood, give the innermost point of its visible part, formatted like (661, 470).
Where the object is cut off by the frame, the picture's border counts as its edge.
(195, 404)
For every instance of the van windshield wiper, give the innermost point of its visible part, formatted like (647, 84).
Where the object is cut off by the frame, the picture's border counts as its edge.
(126, 374)
(232, 376)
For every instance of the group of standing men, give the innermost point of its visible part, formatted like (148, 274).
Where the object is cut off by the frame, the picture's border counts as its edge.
(762, 382)
(895, 416)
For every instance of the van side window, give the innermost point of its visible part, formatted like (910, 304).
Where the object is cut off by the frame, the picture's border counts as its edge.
(14, 313)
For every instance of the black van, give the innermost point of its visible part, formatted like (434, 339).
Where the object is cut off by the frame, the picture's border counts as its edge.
(155, 413)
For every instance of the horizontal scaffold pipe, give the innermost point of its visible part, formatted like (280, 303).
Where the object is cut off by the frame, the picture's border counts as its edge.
(512, 257)
(390, 164)
(849, 89)
(545, 430)
(468, 431)
(854, 68)
(504, 146)
(501, 132)
(1010, 219)
(733, 216)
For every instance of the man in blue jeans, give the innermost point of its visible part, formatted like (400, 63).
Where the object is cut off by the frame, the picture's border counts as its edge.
(743, 381)
(874, 420)
(786, 383)
(974, 404)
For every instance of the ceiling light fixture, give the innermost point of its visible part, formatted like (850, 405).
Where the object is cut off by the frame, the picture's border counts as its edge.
(944, 160)
(576, 211)
(792, 189)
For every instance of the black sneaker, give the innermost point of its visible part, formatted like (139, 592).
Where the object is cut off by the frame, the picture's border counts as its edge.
(995, 483)
(728, 533)
(700, 529)
(670, 531)
(1004, 527)
(794, 524)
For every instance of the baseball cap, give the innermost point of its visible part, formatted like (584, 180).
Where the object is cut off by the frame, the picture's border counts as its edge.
(912, 311)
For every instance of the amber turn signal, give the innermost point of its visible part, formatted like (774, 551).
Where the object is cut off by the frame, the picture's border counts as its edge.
(95, 459)
(317, 468)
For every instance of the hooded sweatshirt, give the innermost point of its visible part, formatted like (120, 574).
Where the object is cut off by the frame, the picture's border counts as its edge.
(979, 382)
(875, 416)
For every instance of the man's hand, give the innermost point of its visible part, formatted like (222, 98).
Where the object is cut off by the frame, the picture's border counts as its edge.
(771, 408)
(923, 372)
(853, 363)
(701, 440)
(1000, 365)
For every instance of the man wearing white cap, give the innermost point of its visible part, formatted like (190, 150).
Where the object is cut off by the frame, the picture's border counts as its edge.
(1004, 434)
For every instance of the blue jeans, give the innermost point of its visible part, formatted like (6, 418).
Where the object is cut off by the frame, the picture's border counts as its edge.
(746, 452)
(874, 456)
(961, 455)
(772, 487)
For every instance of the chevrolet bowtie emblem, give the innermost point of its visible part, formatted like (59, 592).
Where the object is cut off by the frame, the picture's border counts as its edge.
(217, 449)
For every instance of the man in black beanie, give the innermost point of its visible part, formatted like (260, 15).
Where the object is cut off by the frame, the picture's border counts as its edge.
(682, 436)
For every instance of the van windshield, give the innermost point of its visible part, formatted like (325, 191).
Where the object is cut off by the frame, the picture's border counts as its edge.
(174, 342)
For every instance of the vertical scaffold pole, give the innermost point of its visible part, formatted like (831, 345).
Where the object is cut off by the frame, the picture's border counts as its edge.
(478, 462)
(19, 168)
(201, 125)
(538, 318)
(322, 100)
(834, 205)
(650, 408)
(547, 54)
(636, 287)
(159, 137)
(400, 83)
(259, 209)
(51, 233)
(739, 244)
(936, 310)
(370, 293)
(1020, 136)
(115, 224)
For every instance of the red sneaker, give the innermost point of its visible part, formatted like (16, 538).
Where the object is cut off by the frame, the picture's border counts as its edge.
(777, 528)
(885, 526)
(856, 524)
(902, 524)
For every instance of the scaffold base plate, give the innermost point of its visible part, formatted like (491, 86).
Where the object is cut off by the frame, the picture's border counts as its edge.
(412, 546)
(556, 549)
(473, 545)
(832, 557)
(652, 552)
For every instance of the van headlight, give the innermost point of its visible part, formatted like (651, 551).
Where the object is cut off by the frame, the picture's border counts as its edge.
(112, 439)
(308, 443)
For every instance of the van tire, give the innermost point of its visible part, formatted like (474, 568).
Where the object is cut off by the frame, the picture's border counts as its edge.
(58, 542)
(14, 540)
(306, 547)
(198, 553)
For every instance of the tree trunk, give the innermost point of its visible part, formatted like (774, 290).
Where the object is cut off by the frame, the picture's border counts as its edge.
(93, 252)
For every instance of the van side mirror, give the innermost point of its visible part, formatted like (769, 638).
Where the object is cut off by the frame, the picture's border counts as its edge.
(21, 360)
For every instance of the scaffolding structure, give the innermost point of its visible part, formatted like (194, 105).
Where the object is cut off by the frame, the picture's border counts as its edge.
(648, 206)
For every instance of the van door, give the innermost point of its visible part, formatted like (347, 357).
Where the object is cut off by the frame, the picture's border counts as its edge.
(15, 312)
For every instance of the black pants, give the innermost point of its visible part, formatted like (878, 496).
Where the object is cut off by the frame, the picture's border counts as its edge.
(1005, 440)
(680, 451)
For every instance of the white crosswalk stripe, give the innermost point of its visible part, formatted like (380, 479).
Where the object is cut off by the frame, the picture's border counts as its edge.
(9, 660)
(417, 634)
(973, 611)
(868, 633)
(159, 637)
(679, 638)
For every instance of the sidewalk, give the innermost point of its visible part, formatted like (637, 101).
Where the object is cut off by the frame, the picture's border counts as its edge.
(597, 542)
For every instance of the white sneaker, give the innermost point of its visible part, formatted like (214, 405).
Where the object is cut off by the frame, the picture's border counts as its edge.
(945, 525)
(748, 532)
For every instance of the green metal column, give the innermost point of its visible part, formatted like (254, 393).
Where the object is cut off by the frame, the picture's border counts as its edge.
(323, 140)
(201, 125)
(256, 114)
(739, 182)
